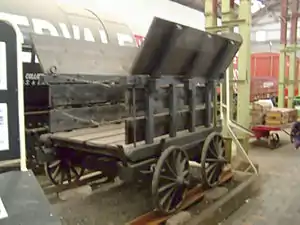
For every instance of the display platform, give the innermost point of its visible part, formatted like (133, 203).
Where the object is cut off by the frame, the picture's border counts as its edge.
(22, 201)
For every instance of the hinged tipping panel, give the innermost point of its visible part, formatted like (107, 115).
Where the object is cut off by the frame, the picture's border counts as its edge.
(66, 56)
(173, 49)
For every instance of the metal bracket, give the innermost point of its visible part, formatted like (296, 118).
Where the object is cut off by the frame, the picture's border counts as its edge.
(230, 124)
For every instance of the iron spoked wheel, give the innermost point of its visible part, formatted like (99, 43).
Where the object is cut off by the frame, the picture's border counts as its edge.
(170, 180)
(273, 140)
(62, 170)
(212, 159)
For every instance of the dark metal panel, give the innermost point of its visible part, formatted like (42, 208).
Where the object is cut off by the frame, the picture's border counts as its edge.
(24, 200)
(173, 49)
(80, 57)
(10, 116)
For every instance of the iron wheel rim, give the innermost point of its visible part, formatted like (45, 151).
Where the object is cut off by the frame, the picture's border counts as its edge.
(170, 180)
(274, 140)
(60, 171)
(212, 159)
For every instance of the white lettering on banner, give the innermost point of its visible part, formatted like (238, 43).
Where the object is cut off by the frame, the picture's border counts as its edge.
(88, 36)
(103, 36)
(123, 39)
(64, 30)
(268, 84)
(76, 32)
(32, 79)
(44, 27)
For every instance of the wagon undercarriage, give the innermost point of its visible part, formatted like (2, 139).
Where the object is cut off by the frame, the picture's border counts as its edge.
(161, 120)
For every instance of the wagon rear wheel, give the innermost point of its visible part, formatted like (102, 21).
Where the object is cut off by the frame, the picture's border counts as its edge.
(60, 171)
(273, 140)
(212, 159)
(170, 180)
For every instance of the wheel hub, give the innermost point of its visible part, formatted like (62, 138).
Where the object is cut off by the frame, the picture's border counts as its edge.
(180, 180)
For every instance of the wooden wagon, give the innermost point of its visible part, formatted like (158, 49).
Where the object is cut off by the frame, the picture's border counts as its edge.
(164, 122)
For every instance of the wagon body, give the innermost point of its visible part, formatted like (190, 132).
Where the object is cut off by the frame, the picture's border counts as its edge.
(160, 107)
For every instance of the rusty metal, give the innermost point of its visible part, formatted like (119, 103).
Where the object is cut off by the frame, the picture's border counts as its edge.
(283, 22)
(194, 195)
(294, 21)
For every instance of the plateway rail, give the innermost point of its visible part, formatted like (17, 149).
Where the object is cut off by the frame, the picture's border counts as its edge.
(194, 195)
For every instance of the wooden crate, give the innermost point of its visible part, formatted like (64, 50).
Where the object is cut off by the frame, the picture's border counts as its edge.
(278, 116)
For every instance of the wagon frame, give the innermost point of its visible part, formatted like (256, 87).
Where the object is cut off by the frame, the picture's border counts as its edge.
(160, 139)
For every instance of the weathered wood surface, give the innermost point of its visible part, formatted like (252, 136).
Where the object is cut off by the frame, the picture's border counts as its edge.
(162, 124)
(90, 134)
(76, 118)
(100, 139)
(85, 94)
(162, 98)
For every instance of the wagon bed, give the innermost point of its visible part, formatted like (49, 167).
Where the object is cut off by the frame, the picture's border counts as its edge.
(110, 140)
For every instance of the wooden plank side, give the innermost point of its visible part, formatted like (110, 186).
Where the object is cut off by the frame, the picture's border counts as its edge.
(99, 135)
(161, 98)
(84, 117)
(84, 94)
(117, 138)
(161, 124)
(89, 131)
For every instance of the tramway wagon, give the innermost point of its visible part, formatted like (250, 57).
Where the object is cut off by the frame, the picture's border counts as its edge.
(128, 112)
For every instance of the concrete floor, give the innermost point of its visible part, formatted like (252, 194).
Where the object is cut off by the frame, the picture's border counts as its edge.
(277, 203)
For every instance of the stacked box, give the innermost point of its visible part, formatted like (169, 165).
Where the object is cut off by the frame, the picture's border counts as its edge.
(258, 112)
(279, 116)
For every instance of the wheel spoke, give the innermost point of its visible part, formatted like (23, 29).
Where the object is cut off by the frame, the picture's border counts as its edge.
(212, 151)
(212, 173)
(212, 160)
(168, 178)
(170, 201)
(56, 171)
(166, 187)
(166, 196)
(75, 172)
(54, 164)
(170, 168)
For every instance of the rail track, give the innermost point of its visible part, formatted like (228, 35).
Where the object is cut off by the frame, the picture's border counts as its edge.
(194, 195)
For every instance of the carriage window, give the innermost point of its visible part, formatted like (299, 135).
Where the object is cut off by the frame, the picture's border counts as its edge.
(3, 70)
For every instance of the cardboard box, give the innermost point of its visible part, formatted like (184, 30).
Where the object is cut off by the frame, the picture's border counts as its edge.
(278, 116)
(257, 117)
(262, 106)
(258, 112)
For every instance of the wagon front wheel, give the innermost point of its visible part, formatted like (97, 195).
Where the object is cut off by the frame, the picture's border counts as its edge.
(170, 180)
(212, 159)
(60, 171)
